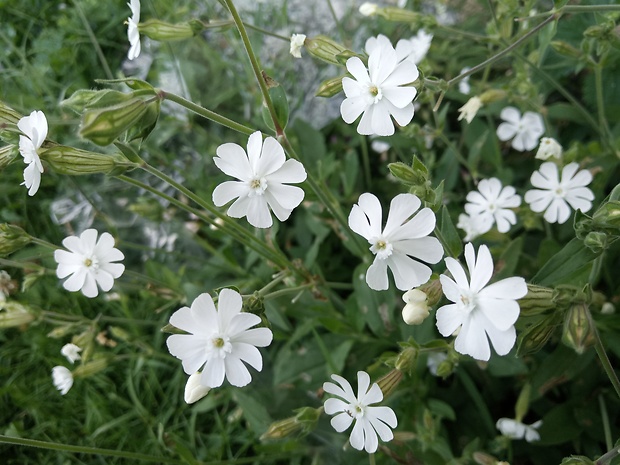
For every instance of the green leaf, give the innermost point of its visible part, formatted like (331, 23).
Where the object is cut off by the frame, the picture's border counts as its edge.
(571, 259)
(448, 235)
(508, 260)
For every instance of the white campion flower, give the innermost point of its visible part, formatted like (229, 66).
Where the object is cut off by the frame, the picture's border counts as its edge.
(194, 391)
(378, 92)
(262, 174)
(368, 9)
(464, 86)
(62, 379)
(297, 42)
(415, 48)
(416, 309)
(369, 421)
(470, 109)
(133, 34)
(34, 128)
(525, 131)
(474, 226)
(434, 360)
(89, 263)
(493, 201)
(514, 429)
(549, 147)
(71, 352)
(554, 195)
(405, 236)
(220, 340)
(481, 312)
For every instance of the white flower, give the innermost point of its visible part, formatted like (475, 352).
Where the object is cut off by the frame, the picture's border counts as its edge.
(297, 42)
(132, 30)
(479, 311)
(62, 379)
(474, 227)
(262, 175)
(464, 87)
(434, 360)
(405, 236)
(493, 201)
(377, 93)
(524, 131)
(380, 146)
(549, 147)
(470, 109)
(218, 339)
(368, 9)
(516, 430)
(71, 352)
(416, 309)
(194, 391)
(415, 48)
(34, 127)
(89, 262)
(369, 421)
(554, 195)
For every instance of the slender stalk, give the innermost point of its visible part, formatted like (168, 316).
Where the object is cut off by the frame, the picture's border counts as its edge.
(605, 419)
(608, 456)
(93, 40)
(600, 101)
(288, 290)
(574, 9)
(366, 163)
(265, 32)
(254, 63)
(602, 355)
(208, 114)
(335, 17)
(371, 459)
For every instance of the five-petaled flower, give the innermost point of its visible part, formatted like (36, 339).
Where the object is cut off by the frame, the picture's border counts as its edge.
(480, 311)
(220, 340)
(369, 421)
(474, 226)
(133, 34)
(62, 379)
(34, 127)
(516, 430)
(378, 92)
(554, 195)
(262, 174)
(405, 236)
(493, 201)
(89, 262)
(524, 131)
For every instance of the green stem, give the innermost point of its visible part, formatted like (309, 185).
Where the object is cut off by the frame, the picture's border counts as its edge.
(600, 101)
(85, 450)
(208, 114)
(274, 282)
(288, 290)
(366, 163)
(265, 32)
(254, 63)
(335, 17)
(574, 9)
(605, 421)
(602, 355)
(608, 457)
(371, 459)
(93, 40)
(49, 245)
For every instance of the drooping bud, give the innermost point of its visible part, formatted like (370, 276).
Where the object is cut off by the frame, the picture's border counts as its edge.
(607, 215)
(564, 48)
(330, 87)
(13, 314)
(162, 31)
(303, 422)
(536, 336)
(390, 381)
(74, 162)
(194, 391)
(492, 95)
(538, 300)
(12, 239)
(577, 332)
(326, 49)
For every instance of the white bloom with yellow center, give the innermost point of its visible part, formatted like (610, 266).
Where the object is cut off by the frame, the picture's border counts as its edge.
(493, 201)
(89, 263)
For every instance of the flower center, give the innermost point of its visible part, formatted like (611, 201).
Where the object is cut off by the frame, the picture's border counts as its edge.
(375, 92)
(467, 302)
(356, 410)
(91, 262)
(219, 346)
(381, 248)
(258, 186)
(492, 207)
(559, 192)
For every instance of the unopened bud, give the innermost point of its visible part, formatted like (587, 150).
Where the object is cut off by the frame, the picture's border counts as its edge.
(399, 15)
(536, 336)
(162, 31)
(12, 239)
(417, 309)
(368, 9)
(74, 162)
(607, 215)
(577, 332)
(303, 422)
(405, 361)
(596, 241)
(8, 154)
(549, 147)
(390, 381)
(538, 300)
(326, 49)
(103, 125)
(194, 391)
(91, 368)
(330, 87)
(14, 314)
(8, 115)
(492, 95)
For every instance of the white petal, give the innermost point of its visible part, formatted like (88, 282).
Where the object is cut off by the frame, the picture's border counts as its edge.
(363, 381)
(538, 200)
(259, 337)
(356, 67)
(472, 339)
(365, 217)
(291, 172)
(385, 415)
(482, 272)
(240, 323)
(510, 288)
(502, 341)
(371, 442)
(376, 276)
(344, 390)
(422, 224)
(450, 289)
(427, 249)
(255, 148)
(248, 354)
(408, 273)
(32, 179)
(352, 107)
(340, 422)
(258, 214)
(237, 373)
(580, 198)
(357, 435)
(76, 281)
(89, 288)
(228, 191)
(403, 116)
(213, 373)
(506, 131)
(365, 125)
(511, 114)
(239, 208)
(501, 313)
(334, 405)
(449, 319)
(400, 97)
(190, 349)
(405, 73)
(288, 197)
(104, 280)
(272, 157)
(402, 207)
(381, 121)
(558, 211)
(233, 161)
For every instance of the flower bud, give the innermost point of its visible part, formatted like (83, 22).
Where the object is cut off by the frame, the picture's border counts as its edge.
(8, 115)
(566, 49)
(303, 422)
(596, 241)
(577, 332)
(549, 147)
(536, 336)
(194, 391)
(162, 31)
(417, 309)
(608, 308)
(492, 95)
(390, 381)
(607, 215)
(538, 300)
(75, 162)
(103, 125)
(8, 154)
(91, 368)
(399, 15)
(13, 314)
(406, 360)
(330, 87)
(368, 9)
(12, 238)
(326, 49)
(85, 98)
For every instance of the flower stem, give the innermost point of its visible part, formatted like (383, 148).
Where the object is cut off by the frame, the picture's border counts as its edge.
(371, 459)
(608, 457)
(605, 420)
(288, 290)
(208, 114)
(602, 355)
(600, 100)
